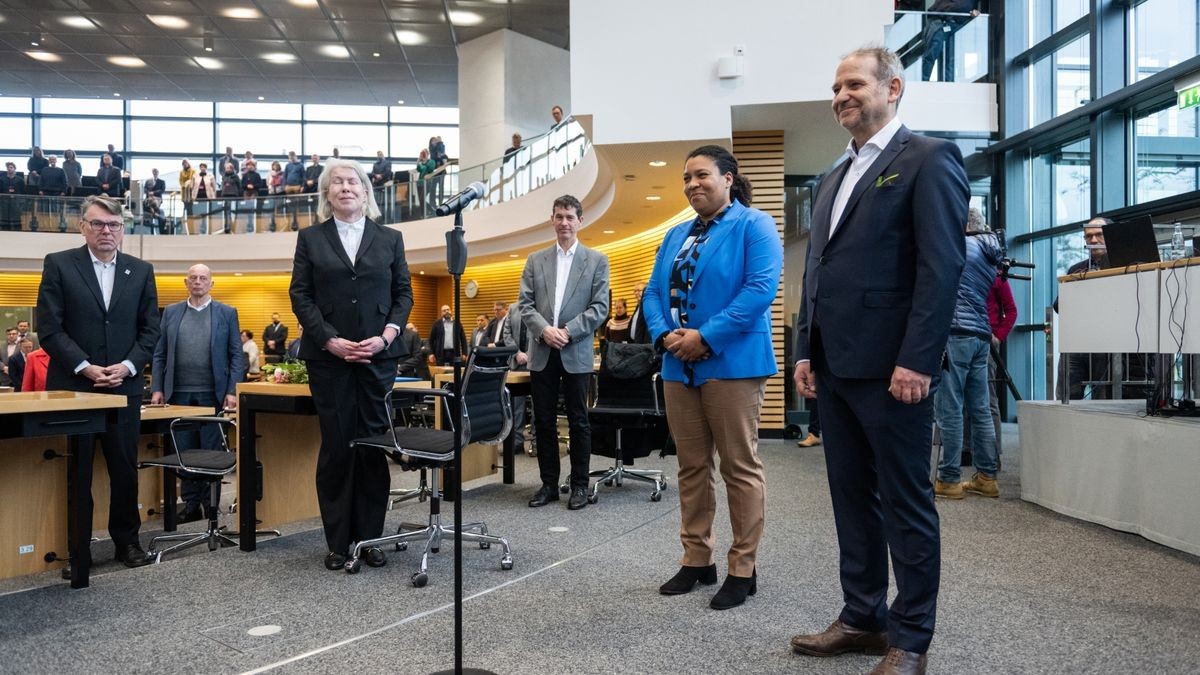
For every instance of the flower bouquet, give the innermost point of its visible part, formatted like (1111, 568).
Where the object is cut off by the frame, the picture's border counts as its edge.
(291, 372)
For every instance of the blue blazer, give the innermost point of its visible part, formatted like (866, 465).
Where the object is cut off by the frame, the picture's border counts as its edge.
(228, 359)
(735, 282)
(880, 290)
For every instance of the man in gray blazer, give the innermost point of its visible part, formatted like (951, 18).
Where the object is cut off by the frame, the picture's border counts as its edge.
(564, 299)
(198, 360)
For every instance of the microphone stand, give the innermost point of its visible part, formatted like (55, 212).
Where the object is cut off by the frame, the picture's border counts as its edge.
(456, 264)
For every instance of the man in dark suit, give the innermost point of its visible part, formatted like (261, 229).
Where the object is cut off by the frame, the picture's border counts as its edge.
(561, 326)
(16, 363)
(882, 270)
(198, 361)
(11, 348)
(275, 337)
(495, 327)
(109, 179)
(97, 312)
(352, 292)
(447, 338)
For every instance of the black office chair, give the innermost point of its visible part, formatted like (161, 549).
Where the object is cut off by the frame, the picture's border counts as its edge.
(485, 416)
(627, 398)
(210, 465)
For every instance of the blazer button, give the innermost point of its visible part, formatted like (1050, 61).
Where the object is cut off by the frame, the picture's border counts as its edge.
(353, 277)
(353, 301)
(692, 306)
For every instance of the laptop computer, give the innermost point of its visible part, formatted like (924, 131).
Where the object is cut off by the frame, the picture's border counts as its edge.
(1130, 242)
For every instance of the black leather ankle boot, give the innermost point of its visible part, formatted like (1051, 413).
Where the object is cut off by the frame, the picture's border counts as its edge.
(687, 577)
(734, 591)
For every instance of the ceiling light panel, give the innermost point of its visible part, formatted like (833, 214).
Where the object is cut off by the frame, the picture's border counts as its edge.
(127, 61)
(410, 38)
(77, 22)
(45, 57)
(335, 51)
(169, 21)
(461, 17)
(279, 57)
(241, 13)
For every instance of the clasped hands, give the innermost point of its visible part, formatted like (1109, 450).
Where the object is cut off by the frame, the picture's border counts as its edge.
(686, 345)
(107, 377)
(555, 337)
(355, 352)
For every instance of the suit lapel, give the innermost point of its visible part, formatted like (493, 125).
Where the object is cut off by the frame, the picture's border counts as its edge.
(878, 167)
(716, 240)
(335, 242)
(368, 236)
(83, 265)
(578, 262)
(823, 209)
(121, 274)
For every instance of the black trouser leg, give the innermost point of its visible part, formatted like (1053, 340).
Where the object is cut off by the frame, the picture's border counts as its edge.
(120, 455)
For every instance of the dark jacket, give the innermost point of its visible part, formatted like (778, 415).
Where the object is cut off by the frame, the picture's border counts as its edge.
(110, 176)
(14, 185)
(16, 370)
(252, 182)
(228, 359)
(54, 180)
(983, 255)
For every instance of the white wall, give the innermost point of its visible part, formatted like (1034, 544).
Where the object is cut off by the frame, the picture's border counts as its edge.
(646, 71)
(507, 83)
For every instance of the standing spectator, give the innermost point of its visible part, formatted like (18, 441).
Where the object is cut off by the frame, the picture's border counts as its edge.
(97, 310)
(514, 148)
(108, 178)
(16, 363)
(12, 347)
(965, 375)
(709, 305)
(495, 327)
(425, 168)
(152, 199)
(227, 158)
(155, 186)
(412, 365)
(247, 159)
(1002, 316)
(23, 333)
(275, 336)
(939, 34)
(479, 336)
(884, 260)
(616, 327)
(231, 183)
(12, 186)
(250, 348)
(351, 350)
(447, 338)
(251, 181)
(557, 114)
(36, 163)
(437, 151)
(203, 186)
(54, 179)
(198, 361)
(564, 299)
(312, 174)
(275, 179)
(117, 160)
(74, 171)
(293, 175)
(186, 175)
(381, 170)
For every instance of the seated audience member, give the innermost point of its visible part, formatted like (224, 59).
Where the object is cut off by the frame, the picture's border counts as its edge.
(250, 347)
(293, 348)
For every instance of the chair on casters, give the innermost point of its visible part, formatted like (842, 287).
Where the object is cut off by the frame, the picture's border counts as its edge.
(626, 398)
(411, 414)
(484, 417)
(205, 464)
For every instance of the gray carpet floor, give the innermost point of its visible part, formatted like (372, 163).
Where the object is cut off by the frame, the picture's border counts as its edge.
(1024, 590)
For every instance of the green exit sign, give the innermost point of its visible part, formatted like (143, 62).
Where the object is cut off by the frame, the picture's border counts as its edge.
(1189, 97)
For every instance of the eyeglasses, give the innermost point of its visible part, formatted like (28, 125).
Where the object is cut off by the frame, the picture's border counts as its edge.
(99, 225)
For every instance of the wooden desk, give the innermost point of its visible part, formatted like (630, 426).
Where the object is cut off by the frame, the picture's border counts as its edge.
(78, 416)
(278, 429)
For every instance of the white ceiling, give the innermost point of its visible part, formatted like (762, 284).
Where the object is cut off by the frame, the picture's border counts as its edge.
(375, 67)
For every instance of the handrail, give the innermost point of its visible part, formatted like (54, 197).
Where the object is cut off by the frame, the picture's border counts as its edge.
(965, 44)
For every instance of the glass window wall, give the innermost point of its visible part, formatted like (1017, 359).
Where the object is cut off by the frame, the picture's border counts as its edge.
(351, 140)
(201, 109)
(1163, 33)
(171, 136)
(81, 106)
(1060, 82)
(259, 137)
(1167, 153)
(82, 135)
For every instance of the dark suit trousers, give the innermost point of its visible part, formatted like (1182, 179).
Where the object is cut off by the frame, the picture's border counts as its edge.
(352, 483)
(119, 445)
(544, 386)
(877, 454)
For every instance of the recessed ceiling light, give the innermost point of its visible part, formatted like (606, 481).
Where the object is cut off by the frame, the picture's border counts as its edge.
(168, 21)
(460, 17)
(513, 255)
(208, 42)
(375, 54)
(116, 93)
(262, 98)
(609, 231)
(400, 102)
(77, 22)
(279, 57)
(304, 3)
(209, 63)
(422, 273)
(48, 57)
(241, 13)
(652, 198)
(410, 37)
(237, 274)
(336, 51)
(126, 61)
(658, 162)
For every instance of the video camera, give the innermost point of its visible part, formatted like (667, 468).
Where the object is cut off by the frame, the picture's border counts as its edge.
(1007, 263)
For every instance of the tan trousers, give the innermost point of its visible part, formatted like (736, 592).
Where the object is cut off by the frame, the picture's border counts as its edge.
(292, 189)
(718, 419)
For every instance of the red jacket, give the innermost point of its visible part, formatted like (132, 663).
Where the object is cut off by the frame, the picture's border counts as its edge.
(1002, 310)
(37, 362)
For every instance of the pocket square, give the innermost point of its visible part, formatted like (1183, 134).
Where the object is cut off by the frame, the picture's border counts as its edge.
(885, 181)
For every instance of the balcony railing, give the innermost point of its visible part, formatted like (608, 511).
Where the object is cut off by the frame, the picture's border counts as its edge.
(539, 161)
(959, 45)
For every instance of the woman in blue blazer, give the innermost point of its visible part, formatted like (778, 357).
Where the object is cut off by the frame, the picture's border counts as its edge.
(708, 305)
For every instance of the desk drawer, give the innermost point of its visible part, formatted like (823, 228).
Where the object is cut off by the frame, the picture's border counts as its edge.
(64, 423)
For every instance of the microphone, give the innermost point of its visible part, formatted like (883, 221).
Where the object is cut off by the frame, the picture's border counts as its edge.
(461, 200)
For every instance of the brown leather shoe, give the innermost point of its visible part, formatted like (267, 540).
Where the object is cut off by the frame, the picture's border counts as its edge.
(839, 639)
(900, 662)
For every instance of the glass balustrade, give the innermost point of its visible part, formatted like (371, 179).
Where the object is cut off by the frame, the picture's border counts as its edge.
(938, 46)
(540, 160)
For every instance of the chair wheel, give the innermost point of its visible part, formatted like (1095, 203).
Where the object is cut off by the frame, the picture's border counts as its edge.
(353, 565)
(592, 499)
(419, 579)
(564, 489)
(402, 546)
(608, 483)
(656, 497)
(485, 545)
(506, 563)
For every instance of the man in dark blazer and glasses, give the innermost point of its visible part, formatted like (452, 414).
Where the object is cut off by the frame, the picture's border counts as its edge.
(97, 312)
(883, 264)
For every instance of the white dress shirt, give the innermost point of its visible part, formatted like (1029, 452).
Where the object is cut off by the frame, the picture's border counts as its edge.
(861, 160)
(106, 276)
(351, 235)
(562, 270)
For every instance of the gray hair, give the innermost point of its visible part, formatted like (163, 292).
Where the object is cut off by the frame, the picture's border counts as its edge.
(887, 64)
(975, 222)
(324, 208)
(107, 203)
